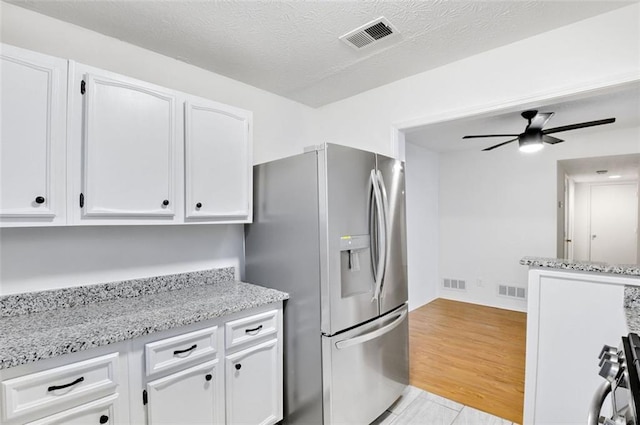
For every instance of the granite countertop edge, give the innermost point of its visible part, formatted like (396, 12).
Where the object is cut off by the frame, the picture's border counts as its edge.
(37, 336)
(630, 270)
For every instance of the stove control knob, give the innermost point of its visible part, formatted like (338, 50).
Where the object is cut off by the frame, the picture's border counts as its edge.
(610, 371)
(607, 349)
(608, 357)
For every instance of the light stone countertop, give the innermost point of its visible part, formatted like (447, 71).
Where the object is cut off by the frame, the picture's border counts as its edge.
(632, 307)
(582, 266)
(66, 321)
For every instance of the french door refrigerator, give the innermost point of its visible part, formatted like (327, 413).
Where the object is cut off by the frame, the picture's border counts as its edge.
(329, 229)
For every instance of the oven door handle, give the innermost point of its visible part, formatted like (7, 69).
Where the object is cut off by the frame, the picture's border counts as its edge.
(597, 401)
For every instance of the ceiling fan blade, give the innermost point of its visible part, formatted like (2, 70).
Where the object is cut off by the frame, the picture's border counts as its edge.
(489, 135)
(500, 144)
(579, 125)
(539, 120)
(551, 140)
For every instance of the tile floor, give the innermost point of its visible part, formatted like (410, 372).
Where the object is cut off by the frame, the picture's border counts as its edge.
(419, 407)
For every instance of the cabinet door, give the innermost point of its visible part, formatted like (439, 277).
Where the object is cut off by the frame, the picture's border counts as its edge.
(32, 141)
(129, 142)
(191, 396)
(254, 385)
(102, 411)
(218, 162)
(564, 337)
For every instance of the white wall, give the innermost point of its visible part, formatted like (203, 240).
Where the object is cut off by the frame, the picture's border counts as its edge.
(571, 58)
(33, 259)
(422, 180)
(55, 257)
(497, 207)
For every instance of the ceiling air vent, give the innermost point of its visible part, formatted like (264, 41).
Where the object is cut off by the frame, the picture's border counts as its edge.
(369, 33)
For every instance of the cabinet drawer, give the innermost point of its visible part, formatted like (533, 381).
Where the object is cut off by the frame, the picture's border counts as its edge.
(57, 388)
(102, 411)
(180, 350)
(252, 328)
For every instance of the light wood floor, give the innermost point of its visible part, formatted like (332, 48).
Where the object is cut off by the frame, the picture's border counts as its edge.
(471, 354)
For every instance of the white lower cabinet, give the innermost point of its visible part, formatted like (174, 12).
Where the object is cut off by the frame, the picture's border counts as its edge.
(190, 396)
(184, 375)
(254, 385)
(564, 338)
(87, 387)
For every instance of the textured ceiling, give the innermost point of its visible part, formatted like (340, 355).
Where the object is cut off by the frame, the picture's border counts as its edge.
(623, 105)
(291, 47)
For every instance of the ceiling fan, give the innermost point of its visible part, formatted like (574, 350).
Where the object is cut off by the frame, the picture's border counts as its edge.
(532, 138)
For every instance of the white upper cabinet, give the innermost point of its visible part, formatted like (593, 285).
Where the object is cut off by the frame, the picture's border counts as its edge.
(84, 146)
(127, 135)
(218, 163)
(33, 138)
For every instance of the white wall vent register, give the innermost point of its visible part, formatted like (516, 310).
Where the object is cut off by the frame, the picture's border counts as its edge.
(457, 284)
(512, 292)
(369, 33)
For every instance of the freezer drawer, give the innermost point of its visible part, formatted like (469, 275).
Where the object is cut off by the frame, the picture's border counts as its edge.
(365, 369)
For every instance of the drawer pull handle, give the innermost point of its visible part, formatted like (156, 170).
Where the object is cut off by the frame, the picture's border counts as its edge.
(70, 384)
(256, 330)
(104, 419)
(238, 366)
(208, 377)
(193, 347)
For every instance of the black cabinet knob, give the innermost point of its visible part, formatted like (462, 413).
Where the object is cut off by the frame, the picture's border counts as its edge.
(104, 419)
(238, 366)
(39, 200)
(199, 205)
(208, 377)
(165, 202)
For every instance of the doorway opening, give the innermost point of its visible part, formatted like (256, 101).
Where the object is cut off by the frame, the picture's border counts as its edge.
(598, 210)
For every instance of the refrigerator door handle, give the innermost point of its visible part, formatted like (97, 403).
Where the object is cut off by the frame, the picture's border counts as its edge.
(381, 236)
(385, 220)
(372, 226)
(345, 343)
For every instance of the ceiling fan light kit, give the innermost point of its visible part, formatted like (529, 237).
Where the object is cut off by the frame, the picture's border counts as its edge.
(530, 143)
(534, 137)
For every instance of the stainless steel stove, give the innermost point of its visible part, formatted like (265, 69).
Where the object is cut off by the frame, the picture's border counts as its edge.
(620, 367)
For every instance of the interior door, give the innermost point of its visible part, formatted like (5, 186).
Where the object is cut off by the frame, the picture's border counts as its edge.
(394, 282)
(614, 221)
(348, 285)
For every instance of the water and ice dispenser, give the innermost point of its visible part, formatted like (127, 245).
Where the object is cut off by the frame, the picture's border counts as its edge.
(355, 265)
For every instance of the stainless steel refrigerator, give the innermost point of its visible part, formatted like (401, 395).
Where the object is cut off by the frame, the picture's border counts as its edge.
(329, 229)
